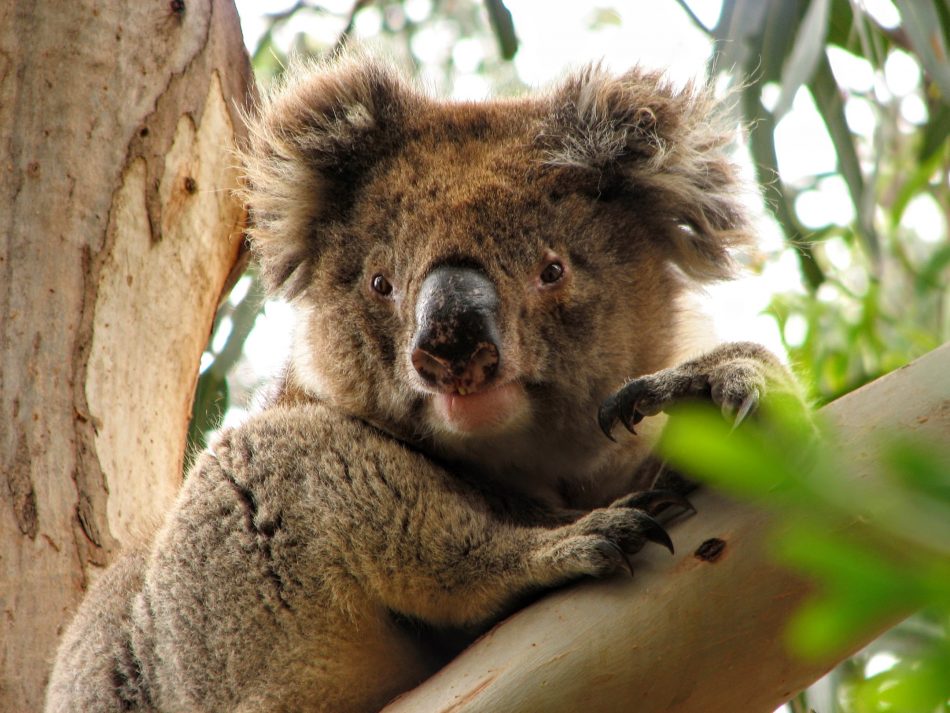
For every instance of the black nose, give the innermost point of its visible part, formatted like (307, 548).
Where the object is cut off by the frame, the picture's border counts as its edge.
(455, 347)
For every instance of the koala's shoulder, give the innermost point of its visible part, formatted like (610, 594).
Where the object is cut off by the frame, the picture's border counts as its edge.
(287, 441)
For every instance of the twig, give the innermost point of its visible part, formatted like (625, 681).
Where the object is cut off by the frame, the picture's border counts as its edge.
(344, 37)
(693, 16)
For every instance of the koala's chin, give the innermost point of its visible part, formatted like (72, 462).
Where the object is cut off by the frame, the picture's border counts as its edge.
(496, 409)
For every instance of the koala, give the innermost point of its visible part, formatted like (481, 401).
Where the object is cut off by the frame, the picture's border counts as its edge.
(483, 291)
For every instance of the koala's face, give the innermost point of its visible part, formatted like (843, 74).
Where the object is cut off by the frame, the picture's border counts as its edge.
(472, 275)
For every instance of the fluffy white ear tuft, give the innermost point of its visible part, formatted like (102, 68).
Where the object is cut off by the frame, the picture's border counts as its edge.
(667, 146)
(312, 140)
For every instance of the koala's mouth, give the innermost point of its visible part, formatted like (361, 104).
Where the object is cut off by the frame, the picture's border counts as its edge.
(467, 412)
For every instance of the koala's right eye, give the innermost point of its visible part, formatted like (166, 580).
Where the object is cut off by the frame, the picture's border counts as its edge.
(381, 286)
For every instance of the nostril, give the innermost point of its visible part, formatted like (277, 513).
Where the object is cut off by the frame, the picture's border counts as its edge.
(483, 365)
(468, 374)
(433, 370)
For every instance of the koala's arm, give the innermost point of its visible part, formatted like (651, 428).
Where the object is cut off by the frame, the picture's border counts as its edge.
(273, 582)
(735, 376)
(410, 535)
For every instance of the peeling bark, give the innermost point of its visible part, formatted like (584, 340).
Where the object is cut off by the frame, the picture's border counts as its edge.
(118, 234)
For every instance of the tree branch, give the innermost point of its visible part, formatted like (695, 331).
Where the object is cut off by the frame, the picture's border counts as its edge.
(687, 634)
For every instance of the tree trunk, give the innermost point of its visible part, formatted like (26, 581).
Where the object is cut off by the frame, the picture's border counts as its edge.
(692, 633)
(117, 233)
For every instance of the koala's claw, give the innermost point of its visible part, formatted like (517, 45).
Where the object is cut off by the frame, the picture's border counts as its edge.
(601, 542)
(733, 377)
(650, 500)
(612, 551)
(606, 418)
(621, 406)
(655, 532)
(748, 405)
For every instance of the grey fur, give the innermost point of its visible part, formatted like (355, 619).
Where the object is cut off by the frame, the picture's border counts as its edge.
(333, 550)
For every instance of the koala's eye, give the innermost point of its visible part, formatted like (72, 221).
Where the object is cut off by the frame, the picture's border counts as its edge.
(552, 272)
(381, 286)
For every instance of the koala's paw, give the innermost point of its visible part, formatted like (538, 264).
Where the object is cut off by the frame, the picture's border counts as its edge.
(734, 377)
(599, 543)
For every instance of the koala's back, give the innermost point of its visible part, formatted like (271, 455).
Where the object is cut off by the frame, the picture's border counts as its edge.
(252, 595)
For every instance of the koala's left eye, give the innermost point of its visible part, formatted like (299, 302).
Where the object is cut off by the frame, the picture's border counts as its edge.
(552, 272)
(381, 286)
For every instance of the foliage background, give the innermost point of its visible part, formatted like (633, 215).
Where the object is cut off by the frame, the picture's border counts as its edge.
(866, 236)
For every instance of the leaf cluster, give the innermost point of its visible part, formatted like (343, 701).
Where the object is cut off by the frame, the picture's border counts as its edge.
(875, 540)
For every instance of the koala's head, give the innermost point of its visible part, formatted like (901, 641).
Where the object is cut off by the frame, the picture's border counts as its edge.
(470, 273)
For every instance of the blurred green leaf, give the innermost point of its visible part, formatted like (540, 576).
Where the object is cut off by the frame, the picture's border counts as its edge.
(910, 687)
(747, 461)
(824, 627)
(920, 466)
(601, 17)
(917, 182)
(841, 563)
(212, 394)
(841, 25)
(936, 132)
(808, 48)
(830, 103)
(739, 22)
(212, 398)
(921, 20)
(932, 274)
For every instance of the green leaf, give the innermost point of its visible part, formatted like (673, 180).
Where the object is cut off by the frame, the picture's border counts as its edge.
(841, 30)
(212, 397)
(777, 39)
(936, 132)
(700, 442)
(917, 687)
(830, 103)
(931, 274)
(809, 47)
(825, 627)
(921, 21)
(841, 563)
(739, 21)
(920, 466)
(917, 182)
(601, 17)
(860, 588)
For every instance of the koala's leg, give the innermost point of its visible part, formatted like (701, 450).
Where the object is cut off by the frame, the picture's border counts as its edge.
(733, 376)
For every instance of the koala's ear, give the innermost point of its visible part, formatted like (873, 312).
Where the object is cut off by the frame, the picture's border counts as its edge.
(311, 142)
(668, 148)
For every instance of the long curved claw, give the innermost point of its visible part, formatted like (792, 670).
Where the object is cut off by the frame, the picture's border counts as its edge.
(621, 406)
(649, 499)
(607, 417)
(654, 532)
(616, 551)
(630, 419)
(748, 405)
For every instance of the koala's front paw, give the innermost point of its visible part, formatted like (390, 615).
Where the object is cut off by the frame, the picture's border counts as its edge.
(598, 544)
(734, 377)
